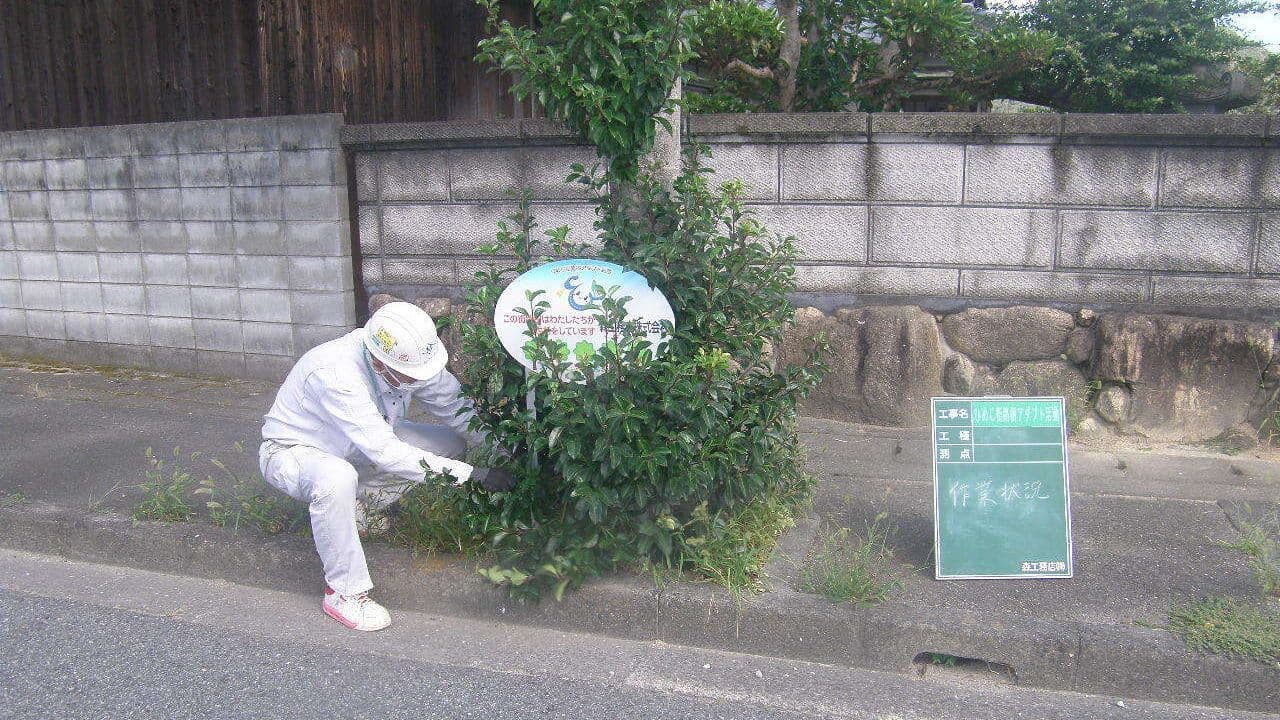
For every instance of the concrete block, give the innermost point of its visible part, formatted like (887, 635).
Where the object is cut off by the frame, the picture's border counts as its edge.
(201, 136)
(268, 338)
(422, 271)
(38, 265)
(273, 368)
(120, 267)
(1269, 244)
(962, 236)
(28, 205)
(128, 329)
(1221, 178)
(931, 282)
(366, 176)
(24, 175)
(78, 267)
(470, 173)
(204, 170)
(301, 132)
(931, 124)
(41, 295)
(6, 236)
(75, 236)
(265, 305)
(224, 335)
(1053, 286)
(13, 321)
(1242, 294)
(118, 236)
(114, 141)
(4, 207)
(213, 271)
(70, 174)
(370, 231)
(247, 134)
(263, 271)
(1138, 240)
(577, 216)
(10, 294)
(371, 271)
(311, 167)
(174, 360)
(306, 337)
(33, 235)
(921, 172)
(112, 204)
(439, 229)
(465, 269)
(9, 266)
(63, 143)
(169, 301)
(256, 203)
(156, 139)
(72, 205)
(318, 202)
(476, 132)
(824, 171)
(169, 332)
(260, 238)
(219, 364)
(23, 145)
(323, 308)
(320, 273)
(1060, 175)
(156, 171)
(44, 324)
(755, 164)
(822, 232)
(158, 204)
(1176, 125)
(86, 327)
(545, 168)
(210, 237)
(206, 204)
(163, 237)
(110, 172)
(124, 299)
(254, 169)
(322, 238)
(82, 297)
(215, 302)
(775, 124)
(163, 269)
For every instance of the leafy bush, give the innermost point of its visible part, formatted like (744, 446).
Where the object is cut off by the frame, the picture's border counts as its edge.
(737, 45)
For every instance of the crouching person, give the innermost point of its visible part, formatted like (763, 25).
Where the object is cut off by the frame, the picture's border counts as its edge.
(336, 439)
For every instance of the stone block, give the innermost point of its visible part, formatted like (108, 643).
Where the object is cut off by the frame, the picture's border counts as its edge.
(10, 294)
(371, 271)
(124, 299)
(9, 266)
(170, 332)
(201, 136)
(158, 204)
(268, 338)
(439, 229)
(33, 235)
(112, 204)
(163, 237)
(6, 235)
(366, 176)
(113, 141)
(76, 236)
(28, 205)
(1268, 261)
(265, 305)
(1136, 240)
(1040, 378)
(156, 171)
(260, 238)
(158, 269)
(44, 324)
(546, 167)
(1001, 335)
(23, 145)
(1053, 286)
(257, 203)
(71, 205)
(962, 124)
(220, 364)
(962, 236)
(310, 167)
(250, 134)
(323, 308)
(318, 202)
(205, 169)
(169, 301)
(222, 335)
(306, 337)
(921, 172)
(302, 132)
(321, 238)
(206, 204)
(924, 282)
(156, 139)
(823, 232)
(24, 175)
(424, 271)
(578, 217)
(4, 208)
(424, 175)
(69, 174)
(210, 237)
(1060, 175)
(1221, 178)
(110, 172)
(118, 236)
(756, 164)
(798, 124)
(38, 265)
(824, 171)
(263, 271)
(13, 322)
(1166, 125)
(41, 294)
(1256, 294)
(254, 169)
(120, 267)
(86, 327)
(473, 174)
(215, 303)
(320, 273)
(78, 267)
(212, 270)
(128, 330)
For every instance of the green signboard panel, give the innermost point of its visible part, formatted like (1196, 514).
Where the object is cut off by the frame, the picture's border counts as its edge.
(1001, 493)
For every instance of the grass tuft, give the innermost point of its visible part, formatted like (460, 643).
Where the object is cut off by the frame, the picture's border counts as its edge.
(850, 569)
(428, 520)
(731, 549)
(1227, 627)
(165, 490)
(1260, 542)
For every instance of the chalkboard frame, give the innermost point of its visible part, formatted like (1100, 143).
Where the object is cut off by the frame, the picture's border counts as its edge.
(1066, 479)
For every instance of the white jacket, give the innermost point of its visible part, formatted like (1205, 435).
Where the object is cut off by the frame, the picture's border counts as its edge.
(333, 402)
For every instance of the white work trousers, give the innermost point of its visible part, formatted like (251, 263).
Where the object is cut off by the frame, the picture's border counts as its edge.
(330, 486)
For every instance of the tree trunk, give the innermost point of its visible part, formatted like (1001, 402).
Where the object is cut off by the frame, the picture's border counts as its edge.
(789, 54)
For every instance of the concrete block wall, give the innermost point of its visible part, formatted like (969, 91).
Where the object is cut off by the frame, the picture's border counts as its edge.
(219, 247)
(950, 209)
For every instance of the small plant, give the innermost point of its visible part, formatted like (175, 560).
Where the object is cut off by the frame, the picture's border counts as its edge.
(165, 490)
(14, 499)
(846, 569)
(1261, 543)
(428, 519)
(1227, 627)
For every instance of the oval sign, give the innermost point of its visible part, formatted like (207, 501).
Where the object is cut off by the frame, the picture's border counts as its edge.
(570, 287)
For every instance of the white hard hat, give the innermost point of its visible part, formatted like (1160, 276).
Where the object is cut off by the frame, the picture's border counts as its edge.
(403, 337)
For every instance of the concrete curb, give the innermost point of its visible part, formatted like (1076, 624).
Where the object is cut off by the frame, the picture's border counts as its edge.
(1081, 656)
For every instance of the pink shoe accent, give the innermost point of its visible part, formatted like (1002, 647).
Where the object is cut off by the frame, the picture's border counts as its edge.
(334, 614)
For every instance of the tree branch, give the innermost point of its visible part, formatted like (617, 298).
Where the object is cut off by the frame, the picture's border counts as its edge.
(756, 72)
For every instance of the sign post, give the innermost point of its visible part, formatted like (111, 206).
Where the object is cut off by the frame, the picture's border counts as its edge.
(1001, 489)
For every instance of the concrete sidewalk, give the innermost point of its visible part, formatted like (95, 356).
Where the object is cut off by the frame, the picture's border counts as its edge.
(1147, 532)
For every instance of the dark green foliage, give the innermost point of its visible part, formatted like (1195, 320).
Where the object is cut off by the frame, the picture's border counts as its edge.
(737, 45)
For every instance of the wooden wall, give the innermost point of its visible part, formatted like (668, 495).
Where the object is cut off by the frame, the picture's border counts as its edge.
(66, 63)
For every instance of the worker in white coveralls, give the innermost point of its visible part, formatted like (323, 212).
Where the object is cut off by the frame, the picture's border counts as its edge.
(336, 439)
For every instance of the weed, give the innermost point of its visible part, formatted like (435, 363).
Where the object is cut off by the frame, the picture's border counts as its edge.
(428, 519)
(14, 499)
(846, 569)
(165, 490)
(941, 659)
(1227, 627)
(242, 504)
(1260, 542)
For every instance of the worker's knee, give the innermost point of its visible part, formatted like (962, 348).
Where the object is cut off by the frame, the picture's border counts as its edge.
(336, 481)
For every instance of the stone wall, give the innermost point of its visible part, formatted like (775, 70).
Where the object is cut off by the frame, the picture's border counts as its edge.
(215, 247)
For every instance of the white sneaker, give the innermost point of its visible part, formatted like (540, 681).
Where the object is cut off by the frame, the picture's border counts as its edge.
(358, 612)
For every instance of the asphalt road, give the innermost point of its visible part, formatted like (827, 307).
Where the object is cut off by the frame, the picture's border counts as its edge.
(95, 641)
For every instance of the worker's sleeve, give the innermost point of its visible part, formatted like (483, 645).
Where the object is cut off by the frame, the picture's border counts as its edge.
(443, 398)
(352, 412)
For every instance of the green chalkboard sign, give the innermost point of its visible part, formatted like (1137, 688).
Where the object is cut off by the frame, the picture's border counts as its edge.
(1001, 493)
